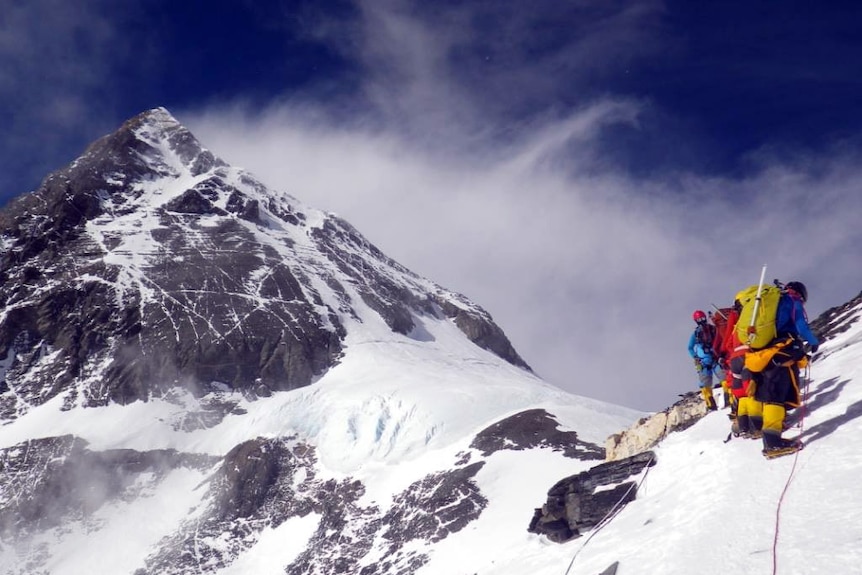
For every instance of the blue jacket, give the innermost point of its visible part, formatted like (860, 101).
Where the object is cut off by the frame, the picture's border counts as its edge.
(700, 350)
(790, 319)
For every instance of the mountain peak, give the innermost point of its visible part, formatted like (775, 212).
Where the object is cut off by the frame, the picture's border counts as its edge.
(157, 117)
(152, 143)
(148, 264)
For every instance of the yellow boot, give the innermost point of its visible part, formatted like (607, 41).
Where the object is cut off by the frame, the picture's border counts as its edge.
(706, 392)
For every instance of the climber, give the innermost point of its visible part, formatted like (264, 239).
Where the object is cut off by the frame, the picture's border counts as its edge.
(746, 413)
(778, 366)
(700, 349)
(721, 319)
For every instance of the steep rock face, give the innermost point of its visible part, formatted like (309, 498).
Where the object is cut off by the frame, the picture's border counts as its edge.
(149, 263)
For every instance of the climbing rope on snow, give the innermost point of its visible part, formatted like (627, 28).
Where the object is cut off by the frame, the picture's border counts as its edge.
(802, 408)
(613, 512)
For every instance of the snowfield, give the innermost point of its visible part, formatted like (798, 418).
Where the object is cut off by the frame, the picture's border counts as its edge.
(708, 506)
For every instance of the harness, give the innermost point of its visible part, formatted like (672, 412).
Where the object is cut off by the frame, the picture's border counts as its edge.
(705, 334)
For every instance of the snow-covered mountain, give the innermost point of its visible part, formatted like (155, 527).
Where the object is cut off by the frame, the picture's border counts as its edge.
(201, 375)
(150, 263)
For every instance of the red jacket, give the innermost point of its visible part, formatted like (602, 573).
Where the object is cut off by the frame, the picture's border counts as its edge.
(732, 348)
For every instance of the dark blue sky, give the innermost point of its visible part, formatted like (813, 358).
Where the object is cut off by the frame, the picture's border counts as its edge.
(718, 80)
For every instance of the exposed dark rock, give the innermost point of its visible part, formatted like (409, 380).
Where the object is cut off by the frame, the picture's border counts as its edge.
(265, 482)
(187, 335)
(534, 428)
(438, 505)
(478, 326)
(55, 479)
(248, 472)
(837, 319)
(193, 202)
(574, 506)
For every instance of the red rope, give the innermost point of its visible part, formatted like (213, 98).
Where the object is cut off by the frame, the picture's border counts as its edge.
(789, 478)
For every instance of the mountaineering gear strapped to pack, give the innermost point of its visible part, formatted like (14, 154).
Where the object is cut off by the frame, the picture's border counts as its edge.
(756, 324)
(771, 312)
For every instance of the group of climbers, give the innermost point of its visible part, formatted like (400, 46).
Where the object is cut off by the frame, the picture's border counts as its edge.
(756, 349)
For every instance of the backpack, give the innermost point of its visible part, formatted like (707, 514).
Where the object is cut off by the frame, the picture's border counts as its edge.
(719, 320)
(704, 336)
(759, 333)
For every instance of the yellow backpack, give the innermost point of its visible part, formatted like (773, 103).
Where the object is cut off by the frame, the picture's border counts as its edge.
(758, 333)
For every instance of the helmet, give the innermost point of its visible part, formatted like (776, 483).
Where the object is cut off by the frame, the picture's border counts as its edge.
(698, 316)
(799, 288)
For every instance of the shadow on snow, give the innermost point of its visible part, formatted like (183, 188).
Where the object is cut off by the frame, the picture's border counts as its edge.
(827, 392)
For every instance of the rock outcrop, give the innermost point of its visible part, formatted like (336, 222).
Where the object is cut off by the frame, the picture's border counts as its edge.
(649, 431)
(534, 428)
(574, 504)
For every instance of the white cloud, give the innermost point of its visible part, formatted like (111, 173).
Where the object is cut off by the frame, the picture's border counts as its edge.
(593, 275)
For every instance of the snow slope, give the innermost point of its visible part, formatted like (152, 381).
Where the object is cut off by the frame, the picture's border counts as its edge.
(710, 507)
(394, 410)
(707, 507)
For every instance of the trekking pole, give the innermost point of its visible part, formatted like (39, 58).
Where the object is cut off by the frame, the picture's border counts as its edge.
(751, 328)
(804, 406)
(718, 311)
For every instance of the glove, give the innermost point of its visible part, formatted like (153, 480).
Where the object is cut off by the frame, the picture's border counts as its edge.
(814, 349)
(698, 364)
